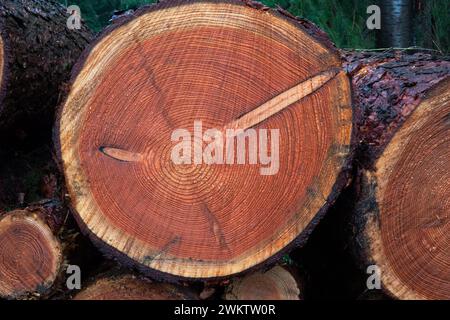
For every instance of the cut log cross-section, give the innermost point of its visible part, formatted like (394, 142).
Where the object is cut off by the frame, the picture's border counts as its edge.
(403, 212)
(30, 255)
(227, 65)
(277, 283)
(130, 287)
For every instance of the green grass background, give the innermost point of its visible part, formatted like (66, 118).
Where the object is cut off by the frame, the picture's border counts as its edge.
(343, 20)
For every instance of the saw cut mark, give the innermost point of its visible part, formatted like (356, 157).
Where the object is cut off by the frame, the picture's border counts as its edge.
(283, 100)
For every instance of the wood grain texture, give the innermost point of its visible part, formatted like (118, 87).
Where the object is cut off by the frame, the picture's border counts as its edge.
(130, 287)
(402, 211)
(413, 191)
(30, 255)
(275, 284)
(215, 61)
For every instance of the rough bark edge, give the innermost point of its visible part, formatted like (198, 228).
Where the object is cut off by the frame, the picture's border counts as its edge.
(371, 148)
(311, 28)
(343, 177)
(366, 206)
(366, 209)
(55, 10)
(6, 60)
(367, 212)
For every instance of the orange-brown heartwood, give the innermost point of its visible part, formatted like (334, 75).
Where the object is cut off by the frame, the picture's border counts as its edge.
(229, 64)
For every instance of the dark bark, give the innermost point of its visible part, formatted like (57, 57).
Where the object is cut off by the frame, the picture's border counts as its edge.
(40, 52)
(387, 87)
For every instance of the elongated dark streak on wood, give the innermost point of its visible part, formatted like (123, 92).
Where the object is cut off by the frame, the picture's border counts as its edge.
(283, 100)
(164, 250)
(121, 154)
(152, 79)
(216, 229)
(434, 221)
(446, 119)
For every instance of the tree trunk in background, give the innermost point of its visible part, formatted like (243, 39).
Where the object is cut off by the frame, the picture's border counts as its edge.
(396, 24)
(37, 52)
(424, 23)
(402, 107)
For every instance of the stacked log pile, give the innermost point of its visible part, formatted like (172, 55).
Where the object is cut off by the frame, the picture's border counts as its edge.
(214, 224)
